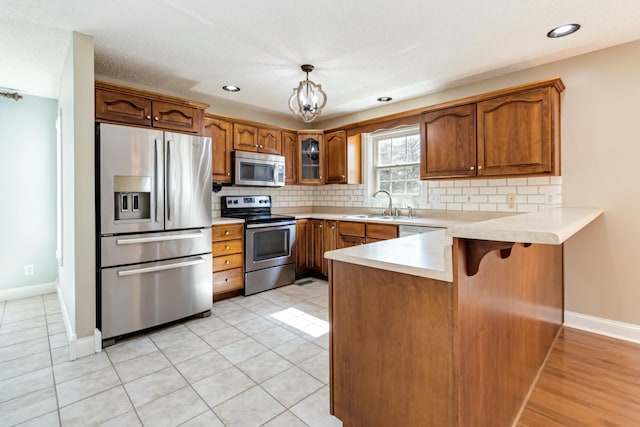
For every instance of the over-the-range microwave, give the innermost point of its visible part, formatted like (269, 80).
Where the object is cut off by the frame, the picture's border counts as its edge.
(258, 169)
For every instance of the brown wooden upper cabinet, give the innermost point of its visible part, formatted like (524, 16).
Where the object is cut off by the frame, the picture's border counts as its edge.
(120, 104)
(245, 137)
(343, 158)
(336, 146)
(505, 133)
(519, 133)
(290, 153)
(270, 141)
(259, 140)
(221, 134)
(311, 158)
(448, 142)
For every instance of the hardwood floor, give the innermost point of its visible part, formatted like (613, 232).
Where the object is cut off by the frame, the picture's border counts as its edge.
(588, 380)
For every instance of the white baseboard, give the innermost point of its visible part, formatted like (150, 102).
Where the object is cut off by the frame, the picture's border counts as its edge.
(599, 325)
(27, 291)
(85, 346)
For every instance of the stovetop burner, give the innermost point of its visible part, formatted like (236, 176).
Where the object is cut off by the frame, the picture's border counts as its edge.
(253, 209)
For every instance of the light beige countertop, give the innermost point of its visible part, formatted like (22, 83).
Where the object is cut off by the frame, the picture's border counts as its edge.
(226, 221)
(432, 219)
(426, 255)
(430, 254)
(552, 226)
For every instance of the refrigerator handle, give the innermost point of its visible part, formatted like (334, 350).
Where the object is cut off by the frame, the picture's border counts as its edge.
(168, 182)
(160, 267)
(155, 176)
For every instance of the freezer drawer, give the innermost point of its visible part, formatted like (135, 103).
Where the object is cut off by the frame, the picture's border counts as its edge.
(136, 248)
(140, 296)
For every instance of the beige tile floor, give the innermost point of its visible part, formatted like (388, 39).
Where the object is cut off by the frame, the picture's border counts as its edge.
(239, 367)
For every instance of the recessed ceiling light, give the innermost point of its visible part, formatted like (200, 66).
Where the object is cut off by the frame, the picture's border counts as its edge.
(384, 99)
(231, 88)
(563, 30)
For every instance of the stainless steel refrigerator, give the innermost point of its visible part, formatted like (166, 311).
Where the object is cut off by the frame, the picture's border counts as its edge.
(154, 209)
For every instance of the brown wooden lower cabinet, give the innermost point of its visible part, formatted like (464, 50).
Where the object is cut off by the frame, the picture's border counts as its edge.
(302, 247)
(227, 250)
(413, 351)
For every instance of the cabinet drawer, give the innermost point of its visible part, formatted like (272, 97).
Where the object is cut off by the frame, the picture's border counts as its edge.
(348, 241)
(227, 262)
(228, 280)
(227, 232)
(227, 247)
(351, 228)
(382, 231)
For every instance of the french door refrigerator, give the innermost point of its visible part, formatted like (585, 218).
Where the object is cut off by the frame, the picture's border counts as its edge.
(154, 209)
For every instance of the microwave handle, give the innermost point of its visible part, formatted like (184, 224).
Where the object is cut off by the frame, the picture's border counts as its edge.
(275, 173)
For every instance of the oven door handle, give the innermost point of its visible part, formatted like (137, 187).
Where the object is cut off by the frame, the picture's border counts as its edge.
(271, 224)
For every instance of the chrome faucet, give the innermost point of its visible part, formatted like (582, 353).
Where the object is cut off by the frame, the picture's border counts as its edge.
(389, 210)
(410, 211)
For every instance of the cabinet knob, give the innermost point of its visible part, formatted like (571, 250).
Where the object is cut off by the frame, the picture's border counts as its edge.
(320, 226)
(227, 262)
(343, 176)
(261, 146)
(479, 167)
(226, 248)
(333, 227)
(228, 173)
(156, 118)
(226, 279)
(471, 168)
(148, 117)
(226, 233)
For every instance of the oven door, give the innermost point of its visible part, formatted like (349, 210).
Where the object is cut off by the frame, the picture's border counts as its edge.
(269, 245)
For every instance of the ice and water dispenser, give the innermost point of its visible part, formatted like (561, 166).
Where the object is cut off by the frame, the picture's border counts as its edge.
(132, 197)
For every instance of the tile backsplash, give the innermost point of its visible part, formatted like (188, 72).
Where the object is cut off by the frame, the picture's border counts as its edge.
(487, 195)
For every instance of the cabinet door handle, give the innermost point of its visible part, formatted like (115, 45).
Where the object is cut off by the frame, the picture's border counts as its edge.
(479, 167)
(227, 262)
(156, 118)
(343, 176)
(148, 117)
(226, 248)
(226, 279)
(228, 173)
(471, 168)
(226, 233)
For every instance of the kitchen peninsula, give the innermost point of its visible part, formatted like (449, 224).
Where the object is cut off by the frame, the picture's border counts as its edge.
(448, 328)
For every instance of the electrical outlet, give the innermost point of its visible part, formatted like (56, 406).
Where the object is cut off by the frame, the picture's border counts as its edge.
(550, 199)
(467, 198)
(28, 270)
(511, 200)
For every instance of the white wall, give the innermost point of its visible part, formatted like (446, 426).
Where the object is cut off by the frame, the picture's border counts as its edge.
(77, 273)
(27, 191)
(600, 152)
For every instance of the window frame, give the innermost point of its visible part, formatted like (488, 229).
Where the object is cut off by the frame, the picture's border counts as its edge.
(375, 167)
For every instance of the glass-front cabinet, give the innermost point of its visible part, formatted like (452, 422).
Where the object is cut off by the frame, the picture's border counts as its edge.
(311, 164)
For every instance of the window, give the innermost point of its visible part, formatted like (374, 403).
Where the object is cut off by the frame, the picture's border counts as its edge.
(396, 161)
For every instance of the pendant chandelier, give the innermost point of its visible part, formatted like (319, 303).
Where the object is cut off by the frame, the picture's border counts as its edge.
(308, 99)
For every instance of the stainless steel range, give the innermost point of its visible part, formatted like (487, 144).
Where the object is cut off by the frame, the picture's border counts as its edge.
(269, 247)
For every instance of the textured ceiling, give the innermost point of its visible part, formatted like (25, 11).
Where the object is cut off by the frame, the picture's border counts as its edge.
(362, 49)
